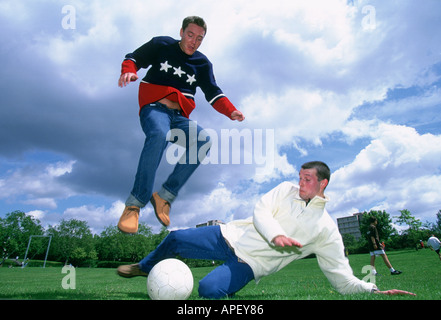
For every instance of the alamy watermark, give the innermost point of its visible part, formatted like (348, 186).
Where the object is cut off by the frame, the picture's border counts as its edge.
(69, 21)
(70, 280)
(232, 146)
(370, 277)
(369, 20)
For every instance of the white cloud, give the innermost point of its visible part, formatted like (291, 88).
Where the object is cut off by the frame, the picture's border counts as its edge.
(221, 203)
(399, 169)
(275, 169)
(49, 203)
(37, 214)
(97, 217)
(37, 184)
(298, 113)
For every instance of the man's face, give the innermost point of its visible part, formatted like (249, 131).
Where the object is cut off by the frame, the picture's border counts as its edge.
(191, 38)
(309, 184)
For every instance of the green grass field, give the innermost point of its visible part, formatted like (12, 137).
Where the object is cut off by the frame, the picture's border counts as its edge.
(301, 280)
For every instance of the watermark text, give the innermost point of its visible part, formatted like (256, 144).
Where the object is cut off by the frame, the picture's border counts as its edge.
(232, 146)
(68, 281)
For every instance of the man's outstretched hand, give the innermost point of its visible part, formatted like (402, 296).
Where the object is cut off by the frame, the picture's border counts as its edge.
(237, 115)
(394, 292)
(282, 241)
(126, 78)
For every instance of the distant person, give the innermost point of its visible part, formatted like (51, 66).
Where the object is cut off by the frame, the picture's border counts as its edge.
(376, 248)
(166, 99)
(289, 223)
(434, 245)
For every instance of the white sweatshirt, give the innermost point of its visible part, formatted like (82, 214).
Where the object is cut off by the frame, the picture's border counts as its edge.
(282, 212)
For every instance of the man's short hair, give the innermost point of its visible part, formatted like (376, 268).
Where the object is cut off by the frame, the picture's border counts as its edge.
(196, 20)
(323, 171)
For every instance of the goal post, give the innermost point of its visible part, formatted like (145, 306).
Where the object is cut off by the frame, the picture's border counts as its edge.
(47, 249)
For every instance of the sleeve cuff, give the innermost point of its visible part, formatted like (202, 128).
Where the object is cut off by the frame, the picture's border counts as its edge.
(128, 66)
(374, 289)
(224, 106)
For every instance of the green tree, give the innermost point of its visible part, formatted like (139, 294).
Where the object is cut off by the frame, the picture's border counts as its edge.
(15, 230)
(384, 226)
(68, 236)
(411, 237)
(157, 238)
(406, 218)
(113, 245)
(78, 256)
(432, 227)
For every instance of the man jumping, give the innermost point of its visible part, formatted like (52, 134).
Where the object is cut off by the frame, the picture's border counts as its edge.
(166, 99)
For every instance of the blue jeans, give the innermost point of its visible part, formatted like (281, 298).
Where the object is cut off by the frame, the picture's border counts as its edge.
(157, 121)
(204, 243)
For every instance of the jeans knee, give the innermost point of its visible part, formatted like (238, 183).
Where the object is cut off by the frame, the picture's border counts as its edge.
(171, 242)
(172, 237)
(209, 290)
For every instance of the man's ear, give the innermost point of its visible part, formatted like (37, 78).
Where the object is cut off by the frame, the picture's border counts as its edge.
(324, 184)
(181, 33)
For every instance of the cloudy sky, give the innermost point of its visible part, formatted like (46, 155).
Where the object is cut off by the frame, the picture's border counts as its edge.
(353, 83)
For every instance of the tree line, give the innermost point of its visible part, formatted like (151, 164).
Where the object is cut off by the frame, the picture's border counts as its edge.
(73, 243)
(414, 233)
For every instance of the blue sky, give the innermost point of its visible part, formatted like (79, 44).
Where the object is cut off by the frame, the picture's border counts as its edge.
(353, 83)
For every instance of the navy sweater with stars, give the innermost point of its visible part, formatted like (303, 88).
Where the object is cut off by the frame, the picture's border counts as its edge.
(175, 75)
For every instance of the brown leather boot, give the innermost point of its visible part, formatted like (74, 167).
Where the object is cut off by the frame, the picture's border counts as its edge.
(162, 209)
(131, 270)
(128, 223)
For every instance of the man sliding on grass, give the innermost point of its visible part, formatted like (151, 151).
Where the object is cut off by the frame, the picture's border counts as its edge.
(290, 222)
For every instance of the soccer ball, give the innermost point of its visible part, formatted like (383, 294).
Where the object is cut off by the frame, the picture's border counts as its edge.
(170, 279)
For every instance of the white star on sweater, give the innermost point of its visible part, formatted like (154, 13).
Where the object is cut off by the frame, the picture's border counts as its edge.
(178, 71)
(191, 79)
(165, 66)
